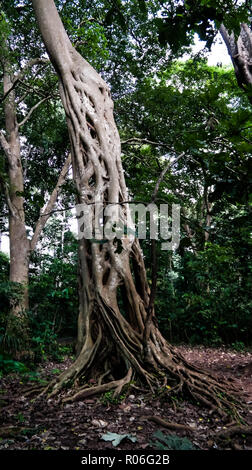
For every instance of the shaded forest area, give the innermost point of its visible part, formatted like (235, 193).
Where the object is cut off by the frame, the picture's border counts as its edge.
(160, 358)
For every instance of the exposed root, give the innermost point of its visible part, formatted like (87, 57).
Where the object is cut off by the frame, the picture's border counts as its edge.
(234, 430)
(9, 431)
(204, 388)
(168, 374)
(103, 376)
(33, 390)
(46, 389)
(220, 396)
(123, 382)
(114, 350)
(115, 385)
(169, 425)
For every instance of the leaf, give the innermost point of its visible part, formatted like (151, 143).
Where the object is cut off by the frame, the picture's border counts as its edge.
(117, 438)
(142, 6)
(171, 442)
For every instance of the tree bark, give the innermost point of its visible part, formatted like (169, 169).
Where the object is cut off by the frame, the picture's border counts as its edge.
(240, 51)
(20, 246)
(110, 340)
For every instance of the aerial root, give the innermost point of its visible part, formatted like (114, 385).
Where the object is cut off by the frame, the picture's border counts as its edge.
(123, 382)
(104, 375)
(115, 385)
(204, 388)
(201, 386)
(168, 374)
(215, 397)
(208, 403)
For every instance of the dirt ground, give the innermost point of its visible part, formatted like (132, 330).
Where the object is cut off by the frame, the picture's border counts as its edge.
(29, 424)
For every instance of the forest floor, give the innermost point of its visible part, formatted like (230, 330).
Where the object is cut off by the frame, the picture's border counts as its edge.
(39, 424)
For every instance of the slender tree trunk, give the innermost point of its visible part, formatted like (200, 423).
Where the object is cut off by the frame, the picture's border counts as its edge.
(19, 244)
(110, 342)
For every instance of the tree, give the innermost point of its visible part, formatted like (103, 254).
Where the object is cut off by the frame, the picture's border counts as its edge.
(240, 51)
(12, 183)
(114, 346)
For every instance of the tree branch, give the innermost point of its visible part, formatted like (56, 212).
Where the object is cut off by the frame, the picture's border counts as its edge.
(48, 209)
(33, 109)
(137, 140)
(29, 64)
(9, 91)
(162, 175)
(30, 89)
(21, 74)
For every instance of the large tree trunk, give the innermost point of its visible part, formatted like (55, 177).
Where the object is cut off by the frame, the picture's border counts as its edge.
(240, 51)
(111, 343)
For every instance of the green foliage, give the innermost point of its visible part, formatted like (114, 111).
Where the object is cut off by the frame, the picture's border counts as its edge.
(180, 20)
(203, 290)
(210, 302)
(8, 365)
(20, 417)
(238, 346)
(43, 339)
(109, 398)
(170, 442)
(53, 299)
(10, 292)
(33, 376)
(56, 371)
(53, 292)
(11, 341)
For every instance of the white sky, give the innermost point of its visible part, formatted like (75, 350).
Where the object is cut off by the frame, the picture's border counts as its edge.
(218, 54)
(5, 244)
(218, 51)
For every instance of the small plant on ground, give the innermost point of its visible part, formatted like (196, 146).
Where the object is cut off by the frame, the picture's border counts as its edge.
(8, 365)
(108, 398)
(238, 346)
(170, 442)
(20, 417)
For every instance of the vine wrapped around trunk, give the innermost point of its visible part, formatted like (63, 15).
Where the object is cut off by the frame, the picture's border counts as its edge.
(111, 346)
